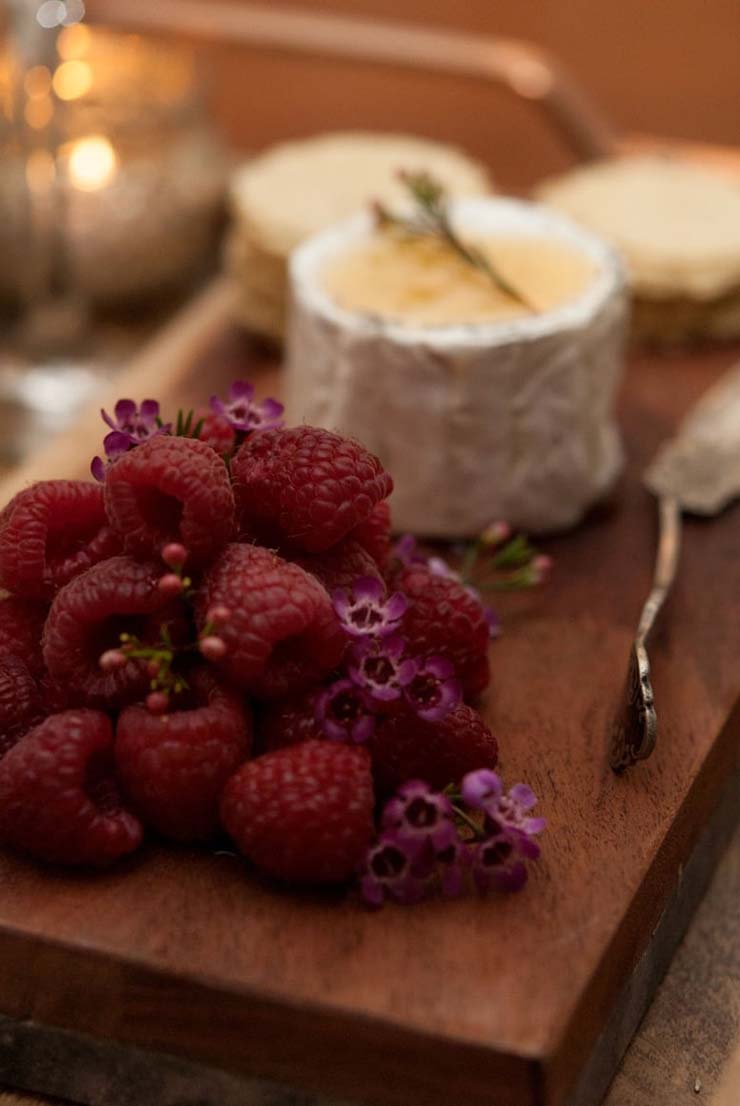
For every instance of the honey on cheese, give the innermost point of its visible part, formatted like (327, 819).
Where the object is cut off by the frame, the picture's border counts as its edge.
(424, 282)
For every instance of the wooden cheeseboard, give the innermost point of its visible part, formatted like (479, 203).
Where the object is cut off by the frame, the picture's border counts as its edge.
(521, 1001)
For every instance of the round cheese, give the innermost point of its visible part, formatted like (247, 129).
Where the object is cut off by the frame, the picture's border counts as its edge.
(511, 418)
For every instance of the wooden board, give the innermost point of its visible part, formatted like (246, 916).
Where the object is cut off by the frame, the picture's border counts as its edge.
(502, 1000)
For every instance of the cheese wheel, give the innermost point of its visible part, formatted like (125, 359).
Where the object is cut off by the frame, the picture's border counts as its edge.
(512, 419)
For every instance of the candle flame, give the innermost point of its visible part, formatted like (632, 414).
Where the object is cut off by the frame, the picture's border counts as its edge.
(92, 162)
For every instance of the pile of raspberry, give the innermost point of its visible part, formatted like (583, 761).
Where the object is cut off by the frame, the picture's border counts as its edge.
(215, 636)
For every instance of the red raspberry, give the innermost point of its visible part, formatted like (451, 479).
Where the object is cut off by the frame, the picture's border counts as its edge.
(305, 486)
(405, 747)
(87, 618)
(288, 721)
(58, 799)
(282, 635)
(173, 766)
(444, 620)
(340, 566)
(21, 625)
(171, 490)
(52, 532)
(374, 534)
(303, 814)
(20, 706)
(218, 433)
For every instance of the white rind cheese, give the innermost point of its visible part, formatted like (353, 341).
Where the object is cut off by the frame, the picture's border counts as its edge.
(504, 420)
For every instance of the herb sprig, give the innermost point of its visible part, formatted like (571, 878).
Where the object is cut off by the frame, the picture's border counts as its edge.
(432, 220)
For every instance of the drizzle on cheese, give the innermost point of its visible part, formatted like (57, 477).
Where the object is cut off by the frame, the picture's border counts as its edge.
(423, 282)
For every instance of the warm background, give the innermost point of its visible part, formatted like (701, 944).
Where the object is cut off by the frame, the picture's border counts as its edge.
(668, 67)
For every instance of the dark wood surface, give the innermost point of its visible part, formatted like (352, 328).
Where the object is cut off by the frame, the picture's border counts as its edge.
(185, 952)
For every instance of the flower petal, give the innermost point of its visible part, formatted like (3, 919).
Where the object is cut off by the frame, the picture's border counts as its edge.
(107, 419)
(125, 411)
(368, 588)
(97, 468)
(396, 606)
(480, 786)
(241, 390)
(523, 796)
(116, 443)
(149, 411)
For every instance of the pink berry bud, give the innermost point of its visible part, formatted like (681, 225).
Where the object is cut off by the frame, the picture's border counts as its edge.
(152, 669)
(157, 702)
(542, 566)
(495, 534)
(212, 648)
(218, 614)
(112, 659)
(169, 584)
(174, 554)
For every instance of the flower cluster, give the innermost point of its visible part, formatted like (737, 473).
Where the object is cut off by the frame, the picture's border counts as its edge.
(378, 669)
(132, 424)
(432, 842)
(509, 563)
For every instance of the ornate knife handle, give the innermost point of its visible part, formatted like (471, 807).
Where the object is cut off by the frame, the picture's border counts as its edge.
(636, 726)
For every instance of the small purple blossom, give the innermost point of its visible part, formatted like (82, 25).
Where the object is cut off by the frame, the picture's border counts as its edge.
(406, 551)
(344, 712)
(244, 413)
(390, 873)
(432, 690)
(378, 666)
(366, 611)
(421, 816)
(506, 813)
(114, 444)
(494, 865)
(138, 423)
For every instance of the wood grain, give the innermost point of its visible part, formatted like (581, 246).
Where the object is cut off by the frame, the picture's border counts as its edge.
(184, 952)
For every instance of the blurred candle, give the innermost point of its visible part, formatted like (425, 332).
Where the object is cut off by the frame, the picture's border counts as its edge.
(92, 162)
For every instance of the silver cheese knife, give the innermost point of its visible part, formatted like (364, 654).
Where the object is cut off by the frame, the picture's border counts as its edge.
(698, 472)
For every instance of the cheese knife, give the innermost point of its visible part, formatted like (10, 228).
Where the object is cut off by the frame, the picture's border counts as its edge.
(696, 472)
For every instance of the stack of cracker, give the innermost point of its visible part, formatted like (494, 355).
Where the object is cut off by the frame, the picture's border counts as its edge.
(296, 189)
(677, 225)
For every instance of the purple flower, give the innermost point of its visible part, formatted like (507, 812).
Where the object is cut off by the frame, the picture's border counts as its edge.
(243, 413)
(390, 873)
(365, 610)
(114, 444)
(406, 550)
(420, 816)
(137, 423)
(432, 690)
(506, 814)
(344, 712)
(439, 567)
(378, 666)
(494, 864)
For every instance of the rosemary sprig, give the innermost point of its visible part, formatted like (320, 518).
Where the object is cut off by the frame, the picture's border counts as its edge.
(432, 220)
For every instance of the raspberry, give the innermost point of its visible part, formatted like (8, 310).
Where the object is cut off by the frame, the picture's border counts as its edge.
(340, 566)
(87, 618)
(58, 799)
(303, 814)
(52, 532)
(20, 706)
(289, 721)
(374, 534)
(217, 432)
(21, 625)
(306, 486)
(173, 767)
(444, 620)
(171, 490)
(282, 635)
(405, 747)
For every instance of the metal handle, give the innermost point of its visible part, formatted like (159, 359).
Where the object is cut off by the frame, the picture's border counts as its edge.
(636, 727)
(526, 70)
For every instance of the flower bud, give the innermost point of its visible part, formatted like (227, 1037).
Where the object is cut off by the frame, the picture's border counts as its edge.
(170, 584)
(174, 555)
(212, 647)
(157, 702)
(112, 659)
(496, 533)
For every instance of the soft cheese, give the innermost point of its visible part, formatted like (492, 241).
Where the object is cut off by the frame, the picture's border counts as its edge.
(507, 418)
